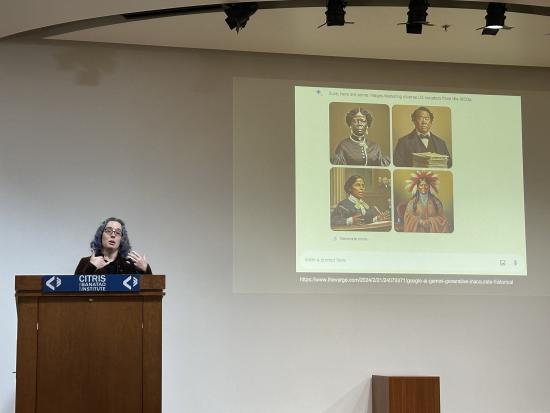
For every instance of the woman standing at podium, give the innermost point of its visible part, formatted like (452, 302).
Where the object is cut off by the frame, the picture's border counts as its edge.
(112, 252)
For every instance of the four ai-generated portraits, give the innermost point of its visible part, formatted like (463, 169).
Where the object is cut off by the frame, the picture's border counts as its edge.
(391, 172)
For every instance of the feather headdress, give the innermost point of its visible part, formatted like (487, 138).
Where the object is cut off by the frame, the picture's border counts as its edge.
(429, 177)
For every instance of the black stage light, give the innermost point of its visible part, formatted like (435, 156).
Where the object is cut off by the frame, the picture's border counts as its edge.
(417, 14)
(238, 14)
(494, 20)
(336, 13)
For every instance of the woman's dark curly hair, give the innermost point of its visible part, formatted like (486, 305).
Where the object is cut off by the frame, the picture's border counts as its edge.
(356, 111)
(350, 181)
(125, 246)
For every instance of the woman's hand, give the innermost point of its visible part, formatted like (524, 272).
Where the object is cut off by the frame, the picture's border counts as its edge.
(384, 216)
(424, 224)
(140, 261)
(357, 220)
(98, 262)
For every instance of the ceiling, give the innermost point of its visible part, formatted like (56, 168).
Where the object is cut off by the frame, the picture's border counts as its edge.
(375, 33)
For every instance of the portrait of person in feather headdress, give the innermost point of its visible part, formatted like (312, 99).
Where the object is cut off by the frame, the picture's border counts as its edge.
(424, 211)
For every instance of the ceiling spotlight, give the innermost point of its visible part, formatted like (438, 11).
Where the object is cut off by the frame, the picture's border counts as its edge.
(336, 13)
(417, 14)
(238, 14)
(494, 20)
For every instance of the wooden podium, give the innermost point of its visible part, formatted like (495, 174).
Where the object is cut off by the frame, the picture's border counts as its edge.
(89, 352)
(405, 394)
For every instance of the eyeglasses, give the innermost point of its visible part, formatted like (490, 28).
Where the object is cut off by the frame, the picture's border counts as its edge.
(111, 231)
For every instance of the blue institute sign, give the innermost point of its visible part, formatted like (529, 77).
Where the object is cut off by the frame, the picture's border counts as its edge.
(91, 283)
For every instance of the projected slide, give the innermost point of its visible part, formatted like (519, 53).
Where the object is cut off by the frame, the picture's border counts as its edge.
(391, 182)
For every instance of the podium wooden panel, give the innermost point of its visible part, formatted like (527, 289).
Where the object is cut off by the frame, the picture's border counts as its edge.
(89, 352)
(404, 394)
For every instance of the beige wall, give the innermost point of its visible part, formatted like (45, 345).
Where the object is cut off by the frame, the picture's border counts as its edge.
(146, 134)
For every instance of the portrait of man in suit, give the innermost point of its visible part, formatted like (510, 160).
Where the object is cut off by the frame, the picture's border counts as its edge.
(421, 140)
